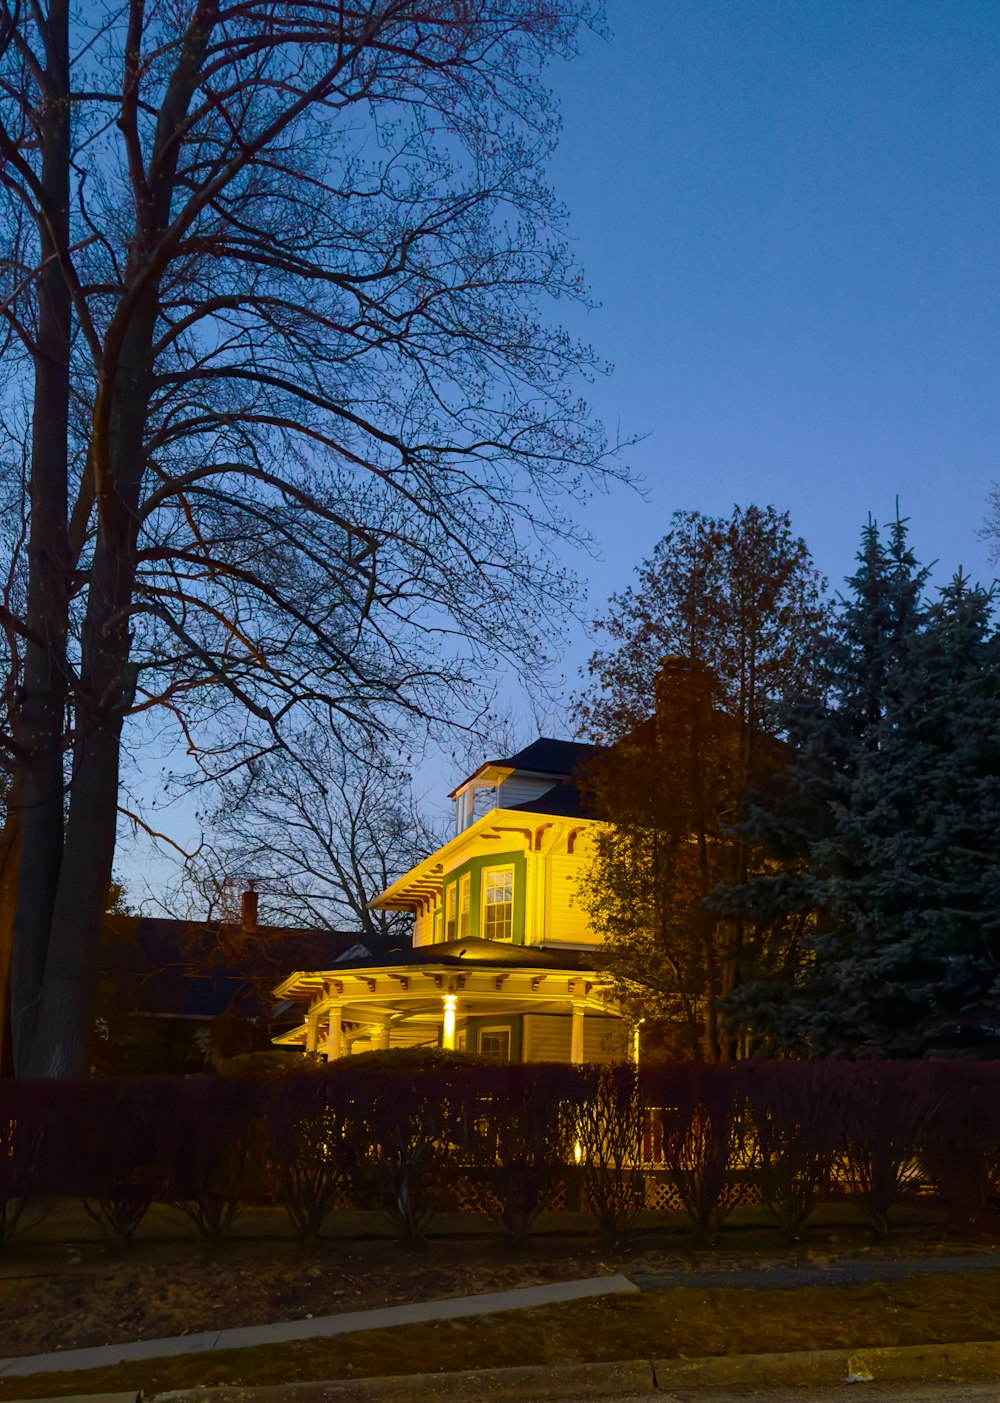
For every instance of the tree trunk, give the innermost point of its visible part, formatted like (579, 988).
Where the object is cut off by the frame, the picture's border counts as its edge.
(39, 716)
(10, 846)
(65, 1032)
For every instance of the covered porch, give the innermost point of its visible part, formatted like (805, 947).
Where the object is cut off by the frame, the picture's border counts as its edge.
(514, 1003)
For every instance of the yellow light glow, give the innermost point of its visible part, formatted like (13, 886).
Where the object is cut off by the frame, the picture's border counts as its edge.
(577, 1152)
(448, 1026)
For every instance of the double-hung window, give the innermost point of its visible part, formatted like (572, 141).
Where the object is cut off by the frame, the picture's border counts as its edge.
(498, 903)
(464, 906)
(495, 1043)
(449, 912)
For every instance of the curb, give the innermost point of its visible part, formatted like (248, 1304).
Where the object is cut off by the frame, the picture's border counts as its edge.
(946, 1363)
(529, 1382)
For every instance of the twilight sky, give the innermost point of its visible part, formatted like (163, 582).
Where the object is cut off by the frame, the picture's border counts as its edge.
(789, 213)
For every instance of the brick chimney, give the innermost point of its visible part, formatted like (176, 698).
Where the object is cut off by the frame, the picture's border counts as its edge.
(248, 908)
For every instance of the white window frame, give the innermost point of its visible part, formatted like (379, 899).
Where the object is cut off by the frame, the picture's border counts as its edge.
(465, 906)
(498, 1030)
(506, 870)
(451, 911)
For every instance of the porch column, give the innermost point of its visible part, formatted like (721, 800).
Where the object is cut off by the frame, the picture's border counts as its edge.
(312, 1030)
(635, 1041)
(448, 1024)
(383, 1036)
(334, 1036)
(576, 1035)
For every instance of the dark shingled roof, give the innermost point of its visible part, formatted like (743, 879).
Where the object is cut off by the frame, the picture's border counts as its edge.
(192, 969)
(563, 800)
(458, 953)
(546, 756)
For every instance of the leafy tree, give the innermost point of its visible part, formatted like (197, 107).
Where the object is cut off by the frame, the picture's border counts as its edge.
(278, 392)
(725, 617)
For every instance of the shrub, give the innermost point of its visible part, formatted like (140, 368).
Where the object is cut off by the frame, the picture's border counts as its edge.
(884, 1113)
(311, 1133)
(960, 1150)
(609, 1134)
(106, 1147)
(23, 1131)
(403, 1123)
(216, 1160)
(794, 1137)
(518, 1135)
(703, 1128)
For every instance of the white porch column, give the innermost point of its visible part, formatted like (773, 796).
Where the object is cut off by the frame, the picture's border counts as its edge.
(576, 1035)
(448, 1024)
(334, 1036)
(383, 1036)
(312, 1030)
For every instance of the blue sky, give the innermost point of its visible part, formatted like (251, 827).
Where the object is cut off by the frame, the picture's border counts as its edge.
(789, 213)
(790, 217)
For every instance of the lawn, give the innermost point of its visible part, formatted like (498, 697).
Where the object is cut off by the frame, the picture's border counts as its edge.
(679, 1323)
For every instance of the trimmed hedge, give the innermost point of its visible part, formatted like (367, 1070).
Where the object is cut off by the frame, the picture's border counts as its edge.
(411, 1139)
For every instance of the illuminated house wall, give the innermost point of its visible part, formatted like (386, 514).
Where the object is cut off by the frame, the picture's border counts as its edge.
(502, 958)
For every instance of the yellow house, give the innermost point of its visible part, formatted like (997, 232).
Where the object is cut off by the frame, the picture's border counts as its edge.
(502, 961)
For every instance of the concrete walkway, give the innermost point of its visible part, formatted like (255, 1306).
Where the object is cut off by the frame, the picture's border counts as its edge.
(849, 1271)
(451, 1308)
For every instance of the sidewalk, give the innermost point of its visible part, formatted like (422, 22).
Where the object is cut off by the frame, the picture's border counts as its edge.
(836, 1272)
(922, 1363)
(451, 1308)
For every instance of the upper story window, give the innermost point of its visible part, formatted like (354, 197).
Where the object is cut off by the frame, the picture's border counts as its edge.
(449, 912)
(438, 925)
(498, 903)
(464, 906)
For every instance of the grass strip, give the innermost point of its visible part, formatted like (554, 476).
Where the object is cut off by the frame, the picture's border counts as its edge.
(685, 1322)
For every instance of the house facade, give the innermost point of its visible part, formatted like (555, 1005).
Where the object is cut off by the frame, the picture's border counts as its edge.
(503, 959)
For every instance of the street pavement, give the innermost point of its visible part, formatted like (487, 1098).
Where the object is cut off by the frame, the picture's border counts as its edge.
(841, 1393)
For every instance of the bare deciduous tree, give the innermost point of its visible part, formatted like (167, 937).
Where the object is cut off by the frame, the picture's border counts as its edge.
(320, 834)
(296, 425)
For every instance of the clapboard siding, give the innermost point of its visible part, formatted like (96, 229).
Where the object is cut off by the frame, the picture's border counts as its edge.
(547, 1038)
(518, 790)
(565, 918)
(423, 928)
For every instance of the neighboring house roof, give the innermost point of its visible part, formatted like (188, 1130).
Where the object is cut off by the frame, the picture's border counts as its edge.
(166, 968)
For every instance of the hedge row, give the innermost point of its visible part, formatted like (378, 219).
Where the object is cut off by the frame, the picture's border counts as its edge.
(505, 1140)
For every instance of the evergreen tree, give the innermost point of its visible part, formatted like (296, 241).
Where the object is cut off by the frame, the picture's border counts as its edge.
(891, 809)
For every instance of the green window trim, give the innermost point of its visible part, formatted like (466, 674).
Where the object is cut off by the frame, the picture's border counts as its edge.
(475, 869)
